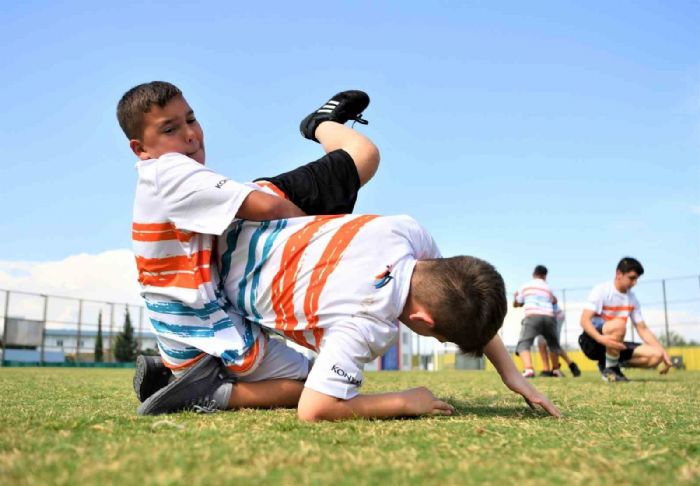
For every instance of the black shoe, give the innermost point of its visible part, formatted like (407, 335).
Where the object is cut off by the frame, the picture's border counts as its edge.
(194, 390)
(574, 369)
(150, 376)
(614, 374)
(546, 373)
(347, 105)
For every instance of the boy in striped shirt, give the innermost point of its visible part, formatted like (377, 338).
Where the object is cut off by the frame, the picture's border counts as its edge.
(339, 285)
(181, 206)
(604, 322)
(538, 301)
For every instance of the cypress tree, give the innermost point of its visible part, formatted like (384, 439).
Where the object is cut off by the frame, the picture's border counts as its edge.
(99, 354)
(125, 345)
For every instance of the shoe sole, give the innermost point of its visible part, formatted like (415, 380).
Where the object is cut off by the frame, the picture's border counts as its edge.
(146, 407)
(139, 375)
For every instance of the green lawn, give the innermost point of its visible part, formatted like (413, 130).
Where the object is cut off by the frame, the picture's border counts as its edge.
(78, 426)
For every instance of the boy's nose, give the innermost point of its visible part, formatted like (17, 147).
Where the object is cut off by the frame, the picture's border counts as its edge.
(189, 135)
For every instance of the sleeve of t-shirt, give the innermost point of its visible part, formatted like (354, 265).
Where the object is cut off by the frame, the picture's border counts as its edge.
(636, 314)
(594, 302)
(338, 369)
(422, 244)
(195, 197)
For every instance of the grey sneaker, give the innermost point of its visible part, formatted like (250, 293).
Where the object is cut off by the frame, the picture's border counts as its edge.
(194, 390)
(150, 376)
(614, 374)
(347, 105)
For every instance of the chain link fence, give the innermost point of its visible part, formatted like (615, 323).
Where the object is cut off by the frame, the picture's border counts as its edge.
(51, 328)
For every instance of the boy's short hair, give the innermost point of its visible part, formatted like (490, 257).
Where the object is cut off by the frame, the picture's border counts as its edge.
(540, 270)
(467, 300)
(629, 264)
(138, 100)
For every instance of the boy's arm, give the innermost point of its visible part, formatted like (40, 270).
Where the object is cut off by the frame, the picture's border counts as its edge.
(496, 352)
(649, 338)
(315, 406)
(516, 302)
(260, 206)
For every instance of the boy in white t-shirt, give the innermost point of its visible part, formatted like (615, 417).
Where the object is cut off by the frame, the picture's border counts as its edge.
(181, 206)
(339, 285)
(604, 322)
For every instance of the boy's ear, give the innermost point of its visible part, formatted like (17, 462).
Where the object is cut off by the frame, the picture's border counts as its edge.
(139, 150)
(423, 316)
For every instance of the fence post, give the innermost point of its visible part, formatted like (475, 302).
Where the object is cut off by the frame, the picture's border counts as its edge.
(43, 329)
(566, 321)
(4, 327)
(80, 318)
(111, 332)
(668, 334)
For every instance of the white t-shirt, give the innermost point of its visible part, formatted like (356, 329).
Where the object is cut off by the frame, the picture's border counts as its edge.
(335, 284)
(609, 303)
(179, 207)
(537, 298)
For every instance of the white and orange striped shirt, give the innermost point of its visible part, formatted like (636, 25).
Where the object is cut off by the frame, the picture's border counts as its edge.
(609, 303)
(334, 284)
(537, 298)
(179, 208)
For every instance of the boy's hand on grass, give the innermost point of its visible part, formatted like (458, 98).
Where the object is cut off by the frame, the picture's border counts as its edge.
(667, 364)
(421, 401)
(533, 397)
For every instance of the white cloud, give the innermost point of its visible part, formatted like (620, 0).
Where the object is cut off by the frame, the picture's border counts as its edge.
(695, 209)
(108, 276)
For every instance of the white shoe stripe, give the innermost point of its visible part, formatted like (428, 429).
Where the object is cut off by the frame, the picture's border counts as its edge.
(324, 111)
(332, 102)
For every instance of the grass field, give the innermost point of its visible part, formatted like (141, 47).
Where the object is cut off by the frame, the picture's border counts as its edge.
(78, 426)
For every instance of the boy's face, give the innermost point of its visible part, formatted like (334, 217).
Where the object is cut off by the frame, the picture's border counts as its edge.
(172, 128)
(625, 281)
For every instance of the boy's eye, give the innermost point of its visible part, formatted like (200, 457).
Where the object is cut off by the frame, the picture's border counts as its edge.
(192, 120)
(168, 130)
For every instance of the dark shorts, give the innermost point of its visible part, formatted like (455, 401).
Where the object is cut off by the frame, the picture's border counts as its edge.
(538, 325)
(596, 351)
(328, 185)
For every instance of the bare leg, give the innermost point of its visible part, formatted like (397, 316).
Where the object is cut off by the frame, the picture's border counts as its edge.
(266, 394)
(646, 356)
(554, 358)
(542, 346)
(334, 136)
(615, 328)
(565, 356)
(526, 358)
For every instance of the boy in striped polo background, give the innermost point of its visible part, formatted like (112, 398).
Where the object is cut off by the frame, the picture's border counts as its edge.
(538, 302)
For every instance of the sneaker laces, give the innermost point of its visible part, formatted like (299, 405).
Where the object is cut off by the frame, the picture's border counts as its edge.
(203, 405)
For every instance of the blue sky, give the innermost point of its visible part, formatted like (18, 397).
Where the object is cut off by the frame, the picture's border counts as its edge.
(562, 133)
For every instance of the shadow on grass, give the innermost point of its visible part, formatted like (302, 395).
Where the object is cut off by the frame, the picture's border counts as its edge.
(466, 408)
(654, 380)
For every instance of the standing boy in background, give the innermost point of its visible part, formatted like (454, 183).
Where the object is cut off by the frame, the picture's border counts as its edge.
(538, 301)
